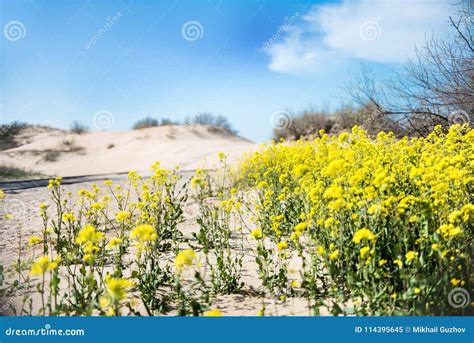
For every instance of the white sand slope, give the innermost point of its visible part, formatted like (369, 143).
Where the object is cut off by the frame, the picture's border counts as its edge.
(58, 152)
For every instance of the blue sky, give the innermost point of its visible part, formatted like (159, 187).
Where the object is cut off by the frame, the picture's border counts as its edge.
(242, 59)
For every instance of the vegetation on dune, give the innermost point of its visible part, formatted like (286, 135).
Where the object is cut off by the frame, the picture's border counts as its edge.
(377, 226)
(78, 128)
(309, 123)
(145, 123)
(8, 132)
(214, 122)
(14, 173)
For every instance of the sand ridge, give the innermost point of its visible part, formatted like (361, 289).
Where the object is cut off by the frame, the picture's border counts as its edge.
(64, 153)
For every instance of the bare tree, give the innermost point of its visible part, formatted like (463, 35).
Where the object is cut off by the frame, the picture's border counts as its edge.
(436, 87)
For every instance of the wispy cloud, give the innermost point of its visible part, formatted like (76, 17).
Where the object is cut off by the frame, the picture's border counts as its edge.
(373, 30)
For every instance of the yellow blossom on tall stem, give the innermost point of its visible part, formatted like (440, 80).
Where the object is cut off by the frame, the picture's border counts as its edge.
(185, 258)
(363, 234)
(143, 234)
(256, 233)
(123, 216)
(42, 264)
(411, 255)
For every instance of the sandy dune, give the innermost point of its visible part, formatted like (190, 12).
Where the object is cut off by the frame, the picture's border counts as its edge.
(58, 152)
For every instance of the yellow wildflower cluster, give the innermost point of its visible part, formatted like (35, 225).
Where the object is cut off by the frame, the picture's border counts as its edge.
(402, 206)
(143, 234)
(42, 264)
(89, 238)
(185, 258)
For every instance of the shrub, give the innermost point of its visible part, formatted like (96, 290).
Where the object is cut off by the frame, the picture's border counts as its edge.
(145, 123)
(11, 172)
(78, 128)
(309, 123)
(8, 132)
(212, 121)
(167, 121)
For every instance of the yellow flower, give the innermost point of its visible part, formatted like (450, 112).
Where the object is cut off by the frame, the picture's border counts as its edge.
(2, 194)
(282, 246)
(68, 217)
(42, 264)
(300, 170)
(34, 240)
(364, 251)
(295, 283)
(363, 234)
(144, 233)
(334, 255)
(411, 255)
(113, 243)
(197, 181)
(435, 246)
(300, 227)
(88, 258)
(185, 258)
(456, 231)
(382, 262)
(329, 222)
(108, 182)
(374, 209)
(455, 282)
(104, 301)
(320, 250)
(449, 230)
(56, 182)
(123, 216)
(221, 156)
(213, 313)
(256, 233)
(54, 264)
(117, 288)
(88, 234)
(416, 290)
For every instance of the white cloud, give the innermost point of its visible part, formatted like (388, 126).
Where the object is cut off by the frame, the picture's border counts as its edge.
(374, 30)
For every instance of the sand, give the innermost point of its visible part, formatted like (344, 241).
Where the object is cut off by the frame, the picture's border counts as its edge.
(58, 152)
